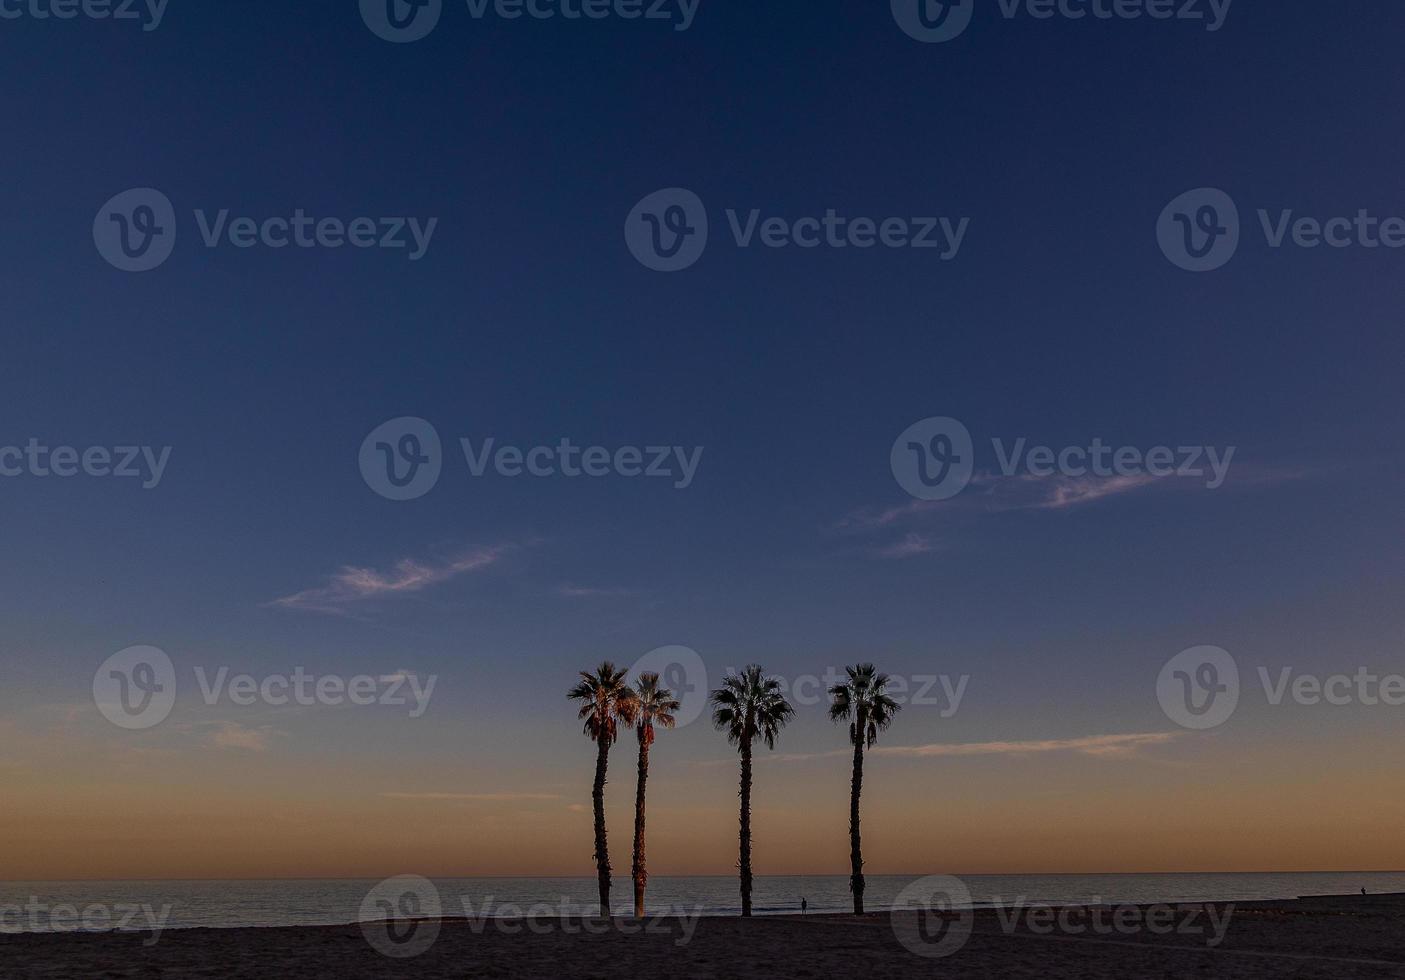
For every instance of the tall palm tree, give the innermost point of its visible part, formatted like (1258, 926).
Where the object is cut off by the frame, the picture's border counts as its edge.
(606, 702)
(863, 702)
(747, 706)
(653, 705)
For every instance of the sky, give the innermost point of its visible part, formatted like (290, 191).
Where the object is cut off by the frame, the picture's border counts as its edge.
(783, 375)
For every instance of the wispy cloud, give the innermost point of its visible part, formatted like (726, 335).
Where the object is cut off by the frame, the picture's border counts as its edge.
(473, 797)
(1097, 746)
(232, 735)
(993, 493)
(1056, 492)
(587, 592)
(910, 546)
(353, 584)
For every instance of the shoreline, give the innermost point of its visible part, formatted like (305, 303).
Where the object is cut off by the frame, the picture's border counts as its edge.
(1312, 937)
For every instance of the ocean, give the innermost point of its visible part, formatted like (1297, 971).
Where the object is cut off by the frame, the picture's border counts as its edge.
(39, 906)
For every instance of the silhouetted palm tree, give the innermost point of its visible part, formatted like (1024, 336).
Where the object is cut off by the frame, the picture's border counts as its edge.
(863, 702)
(653, 705)
(606, 701)
(746, 706)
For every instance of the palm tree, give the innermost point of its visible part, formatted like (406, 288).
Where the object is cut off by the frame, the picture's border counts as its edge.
(652, 705)
(606, 701)
(746, 706)
(863, 702)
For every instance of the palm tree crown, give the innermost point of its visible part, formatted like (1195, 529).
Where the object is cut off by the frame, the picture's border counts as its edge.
(606, 700)
(748, 705)
(863, 701)
(653, 705)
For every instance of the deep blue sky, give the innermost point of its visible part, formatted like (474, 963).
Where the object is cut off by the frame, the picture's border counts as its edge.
(529, 320)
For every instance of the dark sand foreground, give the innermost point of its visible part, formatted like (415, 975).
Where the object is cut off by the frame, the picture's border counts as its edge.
(1308, 938)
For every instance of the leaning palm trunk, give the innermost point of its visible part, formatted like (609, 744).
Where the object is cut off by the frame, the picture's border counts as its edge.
(640, 871)
(744, 859)
(602, 848)
(856, 882)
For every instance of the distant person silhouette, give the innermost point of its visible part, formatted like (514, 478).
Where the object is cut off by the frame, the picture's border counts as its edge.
(1363, 891)
(803, 906)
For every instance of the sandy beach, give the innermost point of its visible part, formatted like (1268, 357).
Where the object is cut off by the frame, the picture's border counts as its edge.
(1309, 938)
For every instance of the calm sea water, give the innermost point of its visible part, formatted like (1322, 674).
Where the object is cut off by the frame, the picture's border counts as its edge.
(226, 904)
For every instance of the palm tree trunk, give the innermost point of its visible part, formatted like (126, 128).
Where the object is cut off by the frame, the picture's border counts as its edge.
(602, 849)
(639, 871)
(856, 882)
(744, 862)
